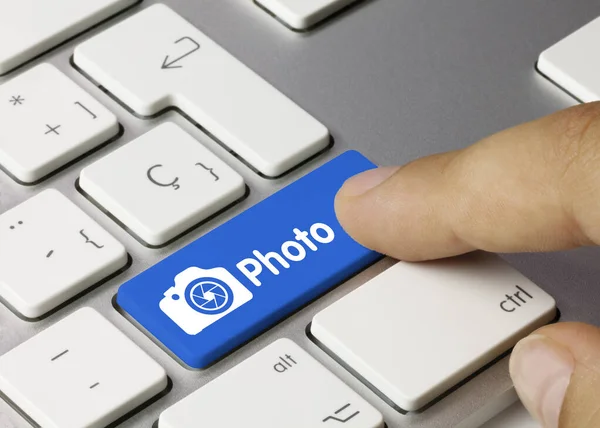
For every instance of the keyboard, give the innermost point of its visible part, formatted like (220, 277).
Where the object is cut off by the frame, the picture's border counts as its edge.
(169, 251)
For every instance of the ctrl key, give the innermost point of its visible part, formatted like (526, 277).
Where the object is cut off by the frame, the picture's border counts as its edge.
(418, 329)
(280, 386)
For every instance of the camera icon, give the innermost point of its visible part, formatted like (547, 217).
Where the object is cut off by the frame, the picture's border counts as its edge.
(201, 297)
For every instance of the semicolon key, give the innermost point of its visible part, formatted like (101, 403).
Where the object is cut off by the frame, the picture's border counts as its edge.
(51, 251)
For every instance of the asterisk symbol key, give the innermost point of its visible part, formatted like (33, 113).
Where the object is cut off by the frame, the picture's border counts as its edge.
(16, 100)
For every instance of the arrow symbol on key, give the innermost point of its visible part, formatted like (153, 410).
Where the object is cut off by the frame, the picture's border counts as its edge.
(168, 65)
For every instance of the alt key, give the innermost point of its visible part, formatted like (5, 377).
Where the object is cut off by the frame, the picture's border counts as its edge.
(280, 386)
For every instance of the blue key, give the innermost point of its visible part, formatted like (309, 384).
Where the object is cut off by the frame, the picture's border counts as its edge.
(248, 274)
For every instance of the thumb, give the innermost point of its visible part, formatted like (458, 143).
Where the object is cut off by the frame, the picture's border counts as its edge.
(556, 372)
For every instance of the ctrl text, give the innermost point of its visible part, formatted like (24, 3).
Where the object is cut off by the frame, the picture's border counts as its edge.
(516, 300)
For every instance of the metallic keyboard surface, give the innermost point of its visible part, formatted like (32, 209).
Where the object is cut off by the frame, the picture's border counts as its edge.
(395, 80)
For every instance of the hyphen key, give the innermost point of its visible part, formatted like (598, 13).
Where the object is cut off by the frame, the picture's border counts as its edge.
(251, 272)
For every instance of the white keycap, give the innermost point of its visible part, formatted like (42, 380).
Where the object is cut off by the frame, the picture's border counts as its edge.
(150, 70)
(416, 330)
(82, 372)
(303, 14)
(280, 386)
(31, 27)
(47, 121)
(162, 184)
(50, 251)
(573, 63)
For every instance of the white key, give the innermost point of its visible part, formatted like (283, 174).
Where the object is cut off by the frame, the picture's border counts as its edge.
(31, 27)
(151, 70)
(47, 121)
(162, 184)
(416, 330)
(50, 251)
(280, 386)
(82, 372)
(573, 64)
(303, 14)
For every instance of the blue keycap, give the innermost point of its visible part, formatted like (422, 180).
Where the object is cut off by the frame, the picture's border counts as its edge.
(251, 272)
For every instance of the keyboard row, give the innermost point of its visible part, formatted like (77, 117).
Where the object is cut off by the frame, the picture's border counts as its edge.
(84, 373)
(52, 122)
(411, 333)
(48, 24)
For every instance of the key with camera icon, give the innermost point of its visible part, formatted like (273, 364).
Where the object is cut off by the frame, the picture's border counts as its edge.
(243, 277)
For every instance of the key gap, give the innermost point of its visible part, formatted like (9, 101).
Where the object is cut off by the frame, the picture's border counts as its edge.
(69, 164)
(172, 240)
(113, 424)
(72, 299)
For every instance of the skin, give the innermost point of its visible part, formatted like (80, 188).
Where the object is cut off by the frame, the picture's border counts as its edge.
(532, 188)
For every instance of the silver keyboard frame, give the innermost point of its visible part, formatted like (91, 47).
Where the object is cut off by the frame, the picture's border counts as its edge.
(393, 79)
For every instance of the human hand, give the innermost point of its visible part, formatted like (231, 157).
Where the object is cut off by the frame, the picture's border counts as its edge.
(535, 187)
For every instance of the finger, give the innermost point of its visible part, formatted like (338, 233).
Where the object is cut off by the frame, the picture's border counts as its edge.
(556, 372)
(535, 187)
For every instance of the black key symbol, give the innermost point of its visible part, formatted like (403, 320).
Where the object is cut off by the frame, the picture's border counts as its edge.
(337, 412)
(86, 109)
(211, 170)
(88, 240)
(52, 129)
(167, 65)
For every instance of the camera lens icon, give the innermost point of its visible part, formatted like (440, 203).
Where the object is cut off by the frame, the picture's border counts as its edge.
(209, 296)
(201, 297)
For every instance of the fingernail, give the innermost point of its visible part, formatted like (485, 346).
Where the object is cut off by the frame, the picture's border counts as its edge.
(541, 370)
(361, 183)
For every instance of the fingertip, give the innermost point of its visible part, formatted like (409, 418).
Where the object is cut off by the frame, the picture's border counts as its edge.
(365, 181)
(391, 211)
(352, 207)
(541, 370)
